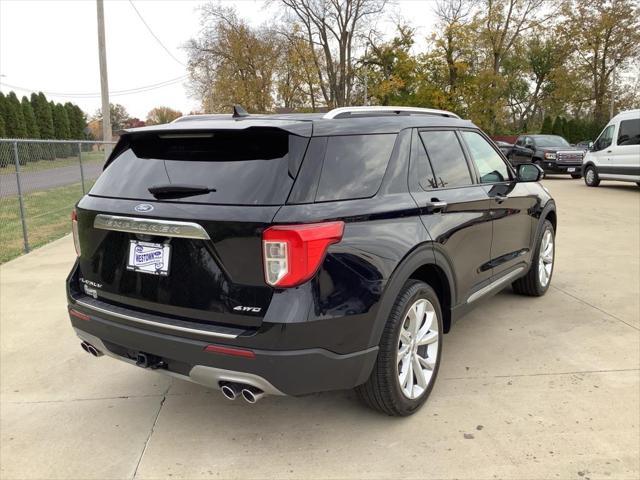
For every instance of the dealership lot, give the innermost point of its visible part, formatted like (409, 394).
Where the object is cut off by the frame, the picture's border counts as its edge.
(528, 388)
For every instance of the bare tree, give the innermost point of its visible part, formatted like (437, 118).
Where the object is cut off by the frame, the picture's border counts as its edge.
(453, 16)
(331, 28)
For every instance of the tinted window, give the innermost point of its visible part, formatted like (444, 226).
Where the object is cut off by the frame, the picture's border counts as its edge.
(605, 138)
(354, 166)
(447, 159)
(490, 166)
(629, 133)
(244, 168)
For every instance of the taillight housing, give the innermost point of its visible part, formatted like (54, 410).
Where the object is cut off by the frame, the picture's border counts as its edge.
(74, 229)
(292, 254)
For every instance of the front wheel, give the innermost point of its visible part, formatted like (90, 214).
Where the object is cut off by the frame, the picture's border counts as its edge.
(591, 178)
(537, 280)
(409, 353)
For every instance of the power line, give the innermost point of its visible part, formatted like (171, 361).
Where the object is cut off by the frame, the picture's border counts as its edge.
(115, 93)
(154, 35)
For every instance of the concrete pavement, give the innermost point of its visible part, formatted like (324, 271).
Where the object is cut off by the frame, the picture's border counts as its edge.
(528, 388)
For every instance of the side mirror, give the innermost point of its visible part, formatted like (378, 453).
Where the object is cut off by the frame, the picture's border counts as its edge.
(590, 146)
(529, 172)
(529, 146)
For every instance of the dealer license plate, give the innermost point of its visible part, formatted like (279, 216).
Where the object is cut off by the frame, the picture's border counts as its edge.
(146, 257)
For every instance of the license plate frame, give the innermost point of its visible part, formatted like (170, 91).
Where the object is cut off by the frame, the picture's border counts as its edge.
(150, 258)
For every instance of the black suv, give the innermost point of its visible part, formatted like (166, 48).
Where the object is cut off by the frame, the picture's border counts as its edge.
(291, 254)
(551, 152)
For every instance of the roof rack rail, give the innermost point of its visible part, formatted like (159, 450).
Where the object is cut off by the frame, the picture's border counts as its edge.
(344, 112)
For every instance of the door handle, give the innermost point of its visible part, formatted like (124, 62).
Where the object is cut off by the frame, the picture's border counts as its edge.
(609, 151)
(435, 205)
(500, 198)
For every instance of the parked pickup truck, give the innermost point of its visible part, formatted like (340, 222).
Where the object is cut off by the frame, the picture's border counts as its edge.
(551, 152)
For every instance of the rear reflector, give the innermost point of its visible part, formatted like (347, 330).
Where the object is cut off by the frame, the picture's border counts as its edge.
(235, 352)
(293, 253)
(79, 315)
(74, 229)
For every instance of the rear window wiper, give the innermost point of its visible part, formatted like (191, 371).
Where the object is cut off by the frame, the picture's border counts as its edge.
(174, 190)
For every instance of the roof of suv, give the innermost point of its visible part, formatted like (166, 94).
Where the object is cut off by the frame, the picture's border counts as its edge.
(346, 121)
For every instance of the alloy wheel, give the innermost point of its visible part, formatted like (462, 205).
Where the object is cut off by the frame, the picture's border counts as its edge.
(545, 261)
(417, 348)
(590, 176)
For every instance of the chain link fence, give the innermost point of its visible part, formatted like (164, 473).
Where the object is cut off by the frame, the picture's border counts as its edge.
(40, 182)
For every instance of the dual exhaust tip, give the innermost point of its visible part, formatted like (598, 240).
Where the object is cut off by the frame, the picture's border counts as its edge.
(230, 390)
(87, 347)
(233, 390)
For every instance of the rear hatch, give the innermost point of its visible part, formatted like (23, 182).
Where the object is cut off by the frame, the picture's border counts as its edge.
(173, 225)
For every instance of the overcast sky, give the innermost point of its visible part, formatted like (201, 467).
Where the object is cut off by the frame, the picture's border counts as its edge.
(52, 46)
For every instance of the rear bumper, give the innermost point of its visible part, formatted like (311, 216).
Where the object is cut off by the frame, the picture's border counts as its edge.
(283, 372)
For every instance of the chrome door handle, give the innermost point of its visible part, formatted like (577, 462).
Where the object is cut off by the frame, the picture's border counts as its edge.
(500, 198)
(435, 206)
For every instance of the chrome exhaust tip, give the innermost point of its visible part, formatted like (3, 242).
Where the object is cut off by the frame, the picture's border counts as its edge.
(252, 394)
(230, 390)
(87, 347)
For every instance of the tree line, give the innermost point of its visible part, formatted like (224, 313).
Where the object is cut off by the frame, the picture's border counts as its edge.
(38, 118)
(505, 64)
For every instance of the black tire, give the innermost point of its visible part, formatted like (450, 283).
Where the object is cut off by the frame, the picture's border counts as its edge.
(638, 183)
(576, 175)
(591, 178)
(530, 284)
(382, 391)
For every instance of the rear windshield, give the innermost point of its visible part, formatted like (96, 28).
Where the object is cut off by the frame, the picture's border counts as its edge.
(241, 168)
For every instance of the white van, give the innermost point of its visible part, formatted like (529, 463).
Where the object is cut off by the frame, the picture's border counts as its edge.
(615, 155)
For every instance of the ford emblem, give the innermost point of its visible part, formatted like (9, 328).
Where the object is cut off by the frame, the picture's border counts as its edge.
(143, 207)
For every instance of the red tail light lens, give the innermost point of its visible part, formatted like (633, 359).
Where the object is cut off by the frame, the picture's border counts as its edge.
(293, 253)
(74, 229)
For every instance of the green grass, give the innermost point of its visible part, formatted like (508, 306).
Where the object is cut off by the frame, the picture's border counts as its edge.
(93, 157)
(48, 215)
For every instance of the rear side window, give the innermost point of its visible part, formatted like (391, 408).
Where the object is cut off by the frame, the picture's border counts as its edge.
(629, 133)
(354, 166)
(447, 160)
(490, 166)
(251, 167)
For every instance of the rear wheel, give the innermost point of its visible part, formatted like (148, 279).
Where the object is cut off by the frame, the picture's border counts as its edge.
(591, 176)
(409, 356)
(537, 280)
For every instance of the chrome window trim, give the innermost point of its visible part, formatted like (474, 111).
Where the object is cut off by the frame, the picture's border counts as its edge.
(150, 226)
(206, 333)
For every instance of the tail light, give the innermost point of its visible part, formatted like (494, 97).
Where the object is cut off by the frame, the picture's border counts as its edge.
(293, 253)
(74, 229)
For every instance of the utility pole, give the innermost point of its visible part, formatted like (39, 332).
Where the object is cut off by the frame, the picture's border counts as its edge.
(104, 82)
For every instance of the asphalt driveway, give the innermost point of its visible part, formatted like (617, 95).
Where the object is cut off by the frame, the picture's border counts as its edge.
(528, 388)
(49, 178)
